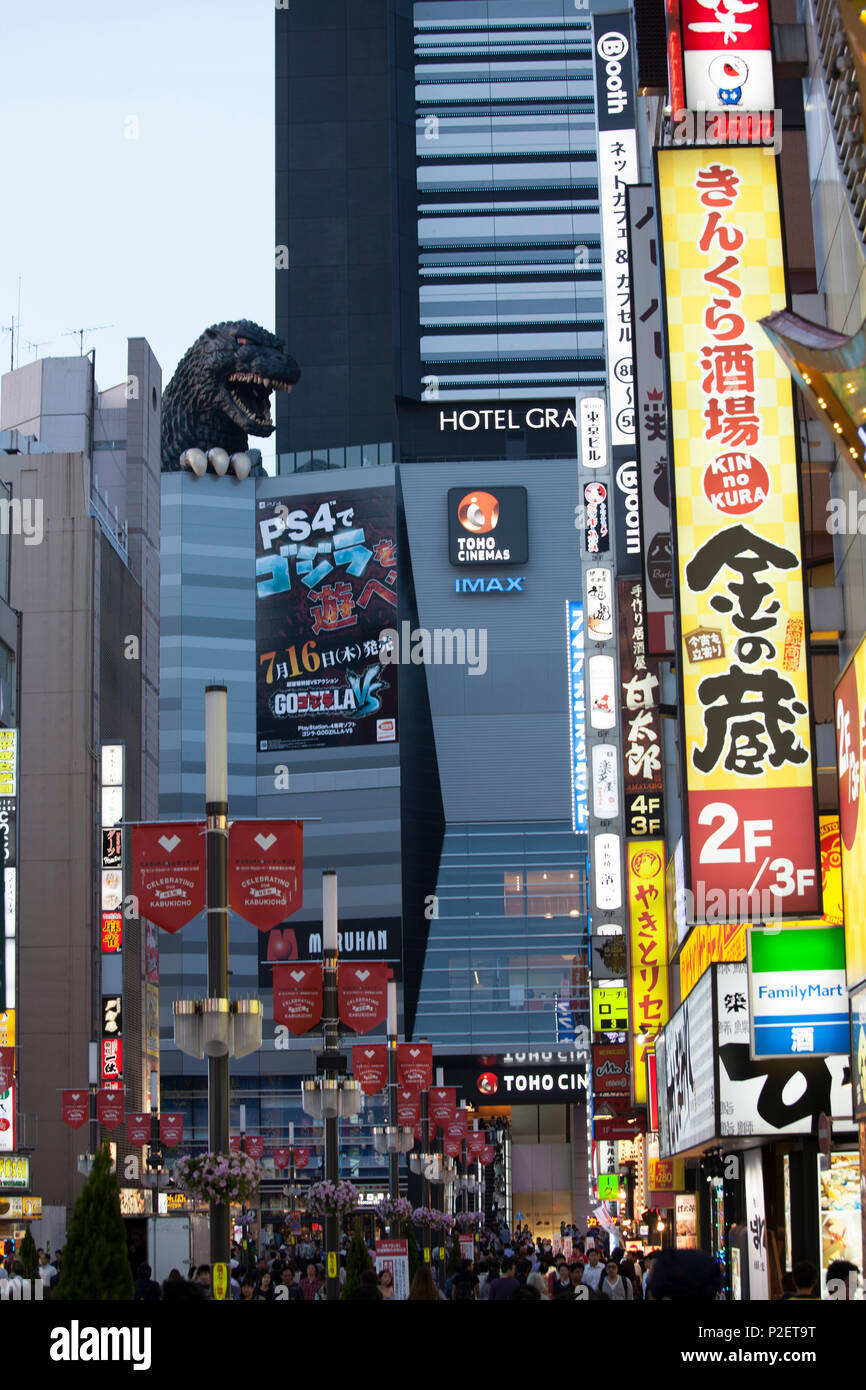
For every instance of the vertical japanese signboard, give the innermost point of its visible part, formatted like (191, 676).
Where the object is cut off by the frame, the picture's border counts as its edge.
(577, 729)
(617, 168)
(649, 945)
(326, 570)
(641, 719)
(851, 758)
(747, 746)
(651, 423)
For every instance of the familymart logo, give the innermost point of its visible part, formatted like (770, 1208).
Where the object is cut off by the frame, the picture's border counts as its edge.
(77, 1343)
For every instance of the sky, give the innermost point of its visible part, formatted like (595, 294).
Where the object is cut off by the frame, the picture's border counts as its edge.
(138, 175)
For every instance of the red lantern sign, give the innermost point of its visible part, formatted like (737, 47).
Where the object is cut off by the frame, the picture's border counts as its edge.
(168, 872)
(138, 1129)
(298, 996)
(109, 1108)
(362, 992)
(282, 1158)
(171, 1129)
(370, 1067)
(442, 1102)
(75, 1108)
(408, 1107)
(266, 870)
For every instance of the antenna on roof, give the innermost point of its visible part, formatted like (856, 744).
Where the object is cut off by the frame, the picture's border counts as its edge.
(36, 346)
(97, 328)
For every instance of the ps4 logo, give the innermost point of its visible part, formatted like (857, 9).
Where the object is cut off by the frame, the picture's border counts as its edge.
(489, 586)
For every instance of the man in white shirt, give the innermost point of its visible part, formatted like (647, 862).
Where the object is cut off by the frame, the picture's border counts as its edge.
(47, 1270)
(593, 1272)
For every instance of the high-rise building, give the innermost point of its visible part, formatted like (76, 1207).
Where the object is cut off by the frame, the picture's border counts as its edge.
(83, 465)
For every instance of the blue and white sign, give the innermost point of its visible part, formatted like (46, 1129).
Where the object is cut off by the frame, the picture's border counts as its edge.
(580, 805)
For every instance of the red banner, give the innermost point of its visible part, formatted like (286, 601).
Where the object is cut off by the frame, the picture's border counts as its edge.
(476, 1142)
(171, 1129)
(168, 872)
(455, 1128)
(488, 1153)
(370, 1067)
(234, 1144)
(408, 1107)
(75, 1108)
(138, 1129)
(255, 1146)
(415, 1065)
(298, 996)
(452, 1147)
(282, 1158)
(112, 1059)
(302, 1158)
(109, 1108)
(611, 1070)
(442, 1102)
(7, 1067)
(362, 990)
(266, 870)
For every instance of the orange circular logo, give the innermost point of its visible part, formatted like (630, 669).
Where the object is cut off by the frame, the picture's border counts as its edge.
(478, 512)
(646, 863)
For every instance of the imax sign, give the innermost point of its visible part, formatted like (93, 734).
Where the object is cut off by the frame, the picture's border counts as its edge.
(506, 585)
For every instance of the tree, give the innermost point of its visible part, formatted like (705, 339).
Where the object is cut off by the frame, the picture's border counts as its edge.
(408, 1233)
(27, 1256)
(357, 1260)
(95, 1260)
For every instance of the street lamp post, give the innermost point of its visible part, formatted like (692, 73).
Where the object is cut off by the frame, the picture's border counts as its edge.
(393, 1154)
(216, 836)
(331, 1059)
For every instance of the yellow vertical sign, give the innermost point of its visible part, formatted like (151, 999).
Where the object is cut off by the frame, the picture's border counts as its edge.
(220, 1281)
(648, 942)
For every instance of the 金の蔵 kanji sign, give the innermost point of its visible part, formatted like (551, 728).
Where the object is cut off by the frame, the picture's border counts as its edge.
(747, 746)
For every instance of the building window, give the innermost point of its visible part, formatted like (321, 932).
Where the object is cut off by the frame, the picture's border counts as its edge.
(545, 893)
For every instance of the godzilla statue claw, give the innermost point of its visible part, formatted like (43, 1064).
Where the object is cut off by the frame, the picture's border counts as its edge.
(221, 391)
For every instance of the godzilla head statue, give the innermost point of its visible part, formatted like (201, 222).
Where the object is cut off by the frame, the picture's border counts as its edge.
(221, 390)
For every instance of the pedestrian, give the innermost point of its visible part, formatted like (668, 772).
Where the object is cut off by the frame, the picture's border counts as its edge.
(805, 1277)
(47, 1270)
(423, 1288)
(464, 1285)
(502, 1289)
(494, 1269)
(613, 1286)
(265, 1293)
(248, 1290)
(681, 1275)
(563, 1287)
(842, 1279)
(593, 1270)
(538, 1281)
(146, 1289)
(386, 1285)
(311, 1284)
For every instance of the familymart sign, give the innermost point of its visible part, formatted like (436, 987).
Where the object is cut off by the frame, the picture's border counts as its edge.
(797, 992)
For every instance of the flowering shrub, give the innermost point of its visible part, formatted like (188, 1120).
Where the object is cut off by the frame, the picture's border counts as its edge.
(215, 1177)
(470, 1220)
(332, 1198)
(426, 1216)
(397, 1210)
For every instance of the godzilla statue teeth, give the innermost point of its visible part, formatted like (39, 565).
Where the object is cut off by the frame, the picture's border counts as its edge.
(199, 408)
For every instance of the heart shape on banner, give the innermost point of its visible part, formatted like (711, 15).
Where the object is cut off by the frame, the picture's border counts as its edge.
(169, 842)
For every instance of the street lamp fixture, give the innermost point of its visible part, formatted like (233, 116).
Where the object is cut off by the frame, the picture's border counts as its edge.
(218, 1027)
(331, 1098)
(393, 1139)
